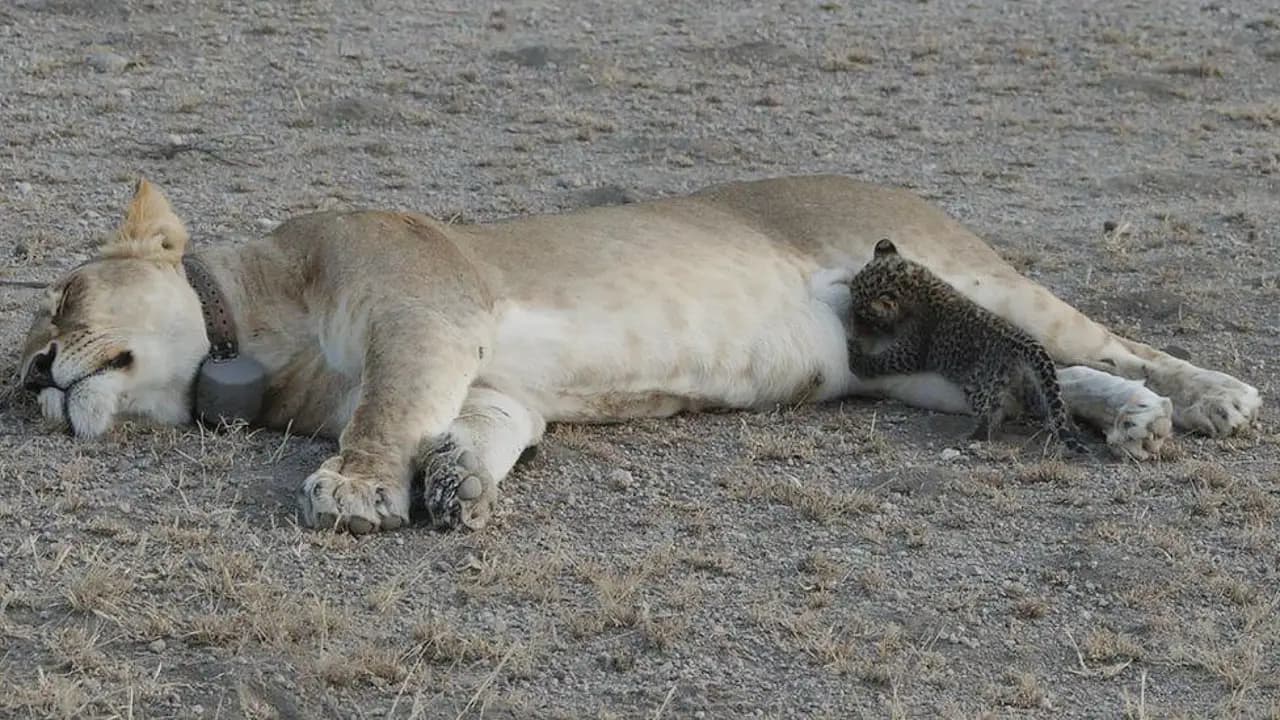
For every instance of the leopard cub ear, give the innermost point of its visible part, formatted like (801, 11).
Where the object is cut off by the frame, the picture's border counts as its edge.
(885, 247)
(885, 305)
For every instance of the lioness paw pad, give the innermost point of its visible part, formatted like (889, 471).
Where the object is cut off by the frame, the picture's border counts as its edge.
(331, 500)
(456, 489)
(1142, 425)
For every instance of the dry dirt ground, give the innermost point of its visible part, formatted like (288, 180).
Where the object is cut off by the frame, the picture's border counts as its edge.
(806, 563)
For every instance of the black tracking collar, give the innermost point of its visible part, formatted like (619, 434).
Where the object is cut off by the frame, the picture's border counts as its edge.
(229, 386)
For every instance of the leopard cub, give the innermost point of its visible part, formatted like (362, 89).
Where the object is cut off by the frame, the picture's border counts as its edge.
(905, 320)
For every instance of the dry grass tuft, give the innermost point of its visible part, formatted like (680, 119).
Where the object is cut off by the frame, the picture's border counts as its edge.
(778, 445)
(873, 651)
(628, 599)
(1238, 665)
(846, 60)
(813, 501)
(99, 589)
(76, 649)
(1238, 591)
(1031, 608)
(1171, 541)
(441, 641)
(1207, 474)
(1023, 690)
(1202, 69)
(336, 669)
(1054, 472)
(535, 575)
(583, 440)
(48, 695)
(827, 572)
(216, 629)
(1105, 645)
(1265, 116)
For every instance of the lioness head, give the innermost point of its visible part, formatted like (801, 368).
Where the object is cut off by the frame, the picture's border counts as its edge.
(121, 334)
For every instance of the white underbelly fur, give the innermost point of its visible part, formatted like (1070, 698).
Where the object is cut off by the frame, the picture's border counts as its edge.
(785, 345)
(929, 391)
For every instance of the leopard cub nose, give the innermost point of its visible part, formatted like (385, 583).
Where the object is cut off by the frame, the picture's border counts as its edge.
(40, 372)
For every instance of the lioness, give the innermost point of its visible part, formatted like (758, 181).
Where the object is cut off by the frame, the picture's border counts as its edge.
(395, 332)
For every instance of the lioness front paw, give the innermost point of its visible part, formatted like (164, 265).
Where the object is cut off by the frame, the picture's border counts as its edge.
(329, 499)
(456, 488)
(1142, 424)
(1216, 404)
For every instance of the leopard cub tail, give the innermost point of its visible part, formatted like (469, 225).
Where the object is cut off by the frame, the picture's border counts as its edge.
(1048, 400)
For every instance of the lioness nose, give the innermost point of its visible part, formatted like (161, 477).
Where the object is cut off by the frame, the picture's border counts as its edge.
(40, 373)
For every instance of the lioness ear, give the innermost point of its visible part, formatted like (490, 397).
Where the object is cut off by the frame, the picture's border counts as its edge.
(150, 231)
(885, 247)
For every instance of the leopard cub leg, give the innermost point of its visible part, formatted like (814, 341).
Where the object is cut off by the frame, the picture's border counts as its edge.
(988, 407)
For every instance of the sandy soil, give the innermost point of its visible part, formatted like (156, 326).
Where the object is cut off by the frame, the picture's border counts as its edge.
(824, 562)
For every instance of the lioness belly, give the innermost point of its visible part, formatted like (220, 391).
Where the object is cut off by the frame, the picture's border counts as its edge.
(683, 348)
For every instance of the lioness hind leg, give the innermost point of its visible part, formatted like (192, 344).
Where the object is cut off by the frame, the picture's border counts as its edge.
(1202, 400)
(460, 472)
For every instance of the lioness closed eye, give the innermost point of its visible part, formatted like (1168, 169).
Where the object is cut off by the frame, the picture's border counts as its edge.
(441, 351)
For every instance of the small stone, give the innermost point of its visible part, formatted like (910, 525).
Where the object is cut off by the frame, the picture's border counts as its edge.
(1109, 226)
(538, 56)
(352, 51)
(157, 646)
(1014, 590)
(25, 188)
(950, 454)
(606, 195)
(267, 223)
(106, 61)
(620, 479)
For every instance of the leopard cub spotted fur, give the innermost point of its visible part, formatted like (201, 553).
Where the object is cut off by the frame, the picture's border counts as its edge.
(906, 320)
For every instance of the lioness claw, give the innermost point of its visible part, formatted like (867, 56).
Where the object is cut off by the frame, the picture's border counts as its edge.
(329, 499)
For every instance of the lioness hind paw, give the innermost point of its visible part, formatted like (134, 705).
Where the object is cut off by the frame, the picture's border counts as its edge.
(455, 489)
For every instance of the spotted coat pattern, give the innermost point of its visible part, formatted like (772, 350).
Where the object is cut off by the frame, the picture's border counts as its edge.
(906, 320)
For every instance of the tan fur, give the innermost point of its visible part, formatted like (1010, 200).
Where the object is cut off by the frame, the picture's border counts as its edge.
(150, 231)
(406, 337)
